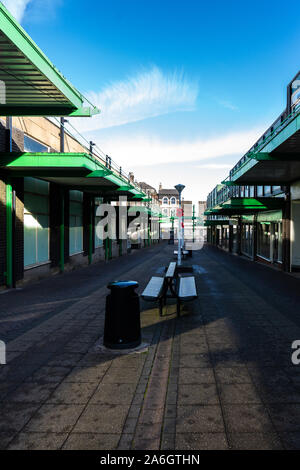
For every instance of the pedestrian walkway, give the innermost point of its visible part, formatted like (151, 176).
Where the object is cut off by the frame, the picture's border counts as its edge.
(218, 377)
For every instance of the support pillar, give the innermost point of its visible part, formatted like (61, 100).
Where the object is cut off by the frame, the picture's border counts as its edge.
(230, 242)
(62, 233)
(286, 232)
(239, 236)
(9, 235)
(254, 241)
(91, 233)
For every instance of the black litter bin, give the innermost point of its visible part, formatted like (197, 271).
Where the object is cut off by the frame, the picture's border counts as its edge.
(171, 239)
(122, 329)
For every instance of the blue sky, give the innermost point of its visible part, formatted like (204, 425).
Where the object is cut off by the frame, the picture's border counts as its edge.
(185, 87)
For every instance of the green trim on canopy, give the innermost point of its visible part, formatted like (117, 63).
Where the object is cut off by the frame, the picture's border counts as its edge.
(76, 170)
(248, 203)
(33, 85)
(229, 183)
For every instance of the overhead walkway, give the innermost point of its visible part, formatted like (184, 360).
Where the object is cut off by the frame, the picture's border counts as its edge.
(275, 160)
(78, 171)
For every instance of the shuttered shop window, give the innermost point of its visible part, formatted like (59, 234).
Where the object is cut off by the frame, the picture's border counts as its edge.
(36, 221)
(76, 222)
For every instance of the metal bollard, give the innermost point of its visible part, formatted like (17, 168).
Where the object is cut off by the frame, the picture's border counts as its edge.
(122, 329)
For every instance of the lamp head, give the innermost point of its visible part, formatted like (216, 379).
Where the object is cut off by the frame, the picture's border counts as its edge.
(179, 187)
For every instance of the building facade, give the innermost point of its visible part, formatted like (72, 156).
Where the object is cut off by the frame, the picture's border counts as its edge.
(255, 211)
(52, 185)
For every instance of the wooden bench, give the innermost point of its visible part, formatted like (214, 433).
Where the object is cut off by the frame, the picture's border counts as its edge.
(170, 273)
(157, 287)
(186, 290)
(182, 287)
(184, 253)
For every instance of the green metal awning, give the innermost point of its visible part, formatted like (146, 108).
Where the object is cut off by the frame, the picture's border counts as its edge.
(32, 86)
(277, 162)
(213, 210)
(75, 170)
(244, 205)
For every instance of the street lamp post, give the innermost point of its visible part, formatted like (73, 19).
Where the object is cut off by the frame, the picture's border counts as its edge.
(180, 188)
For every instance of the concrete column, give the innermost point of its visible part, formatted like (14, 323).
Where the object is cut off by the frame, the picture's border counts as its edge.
(286, 232)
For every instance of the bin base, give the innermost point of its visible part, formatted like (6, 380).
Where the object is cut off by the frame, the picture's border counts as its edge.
(133, 344)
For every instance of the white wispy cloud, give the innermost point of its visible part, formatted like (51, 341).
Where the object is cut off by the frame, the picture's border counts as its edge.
(16, 7)
(148, 94)
(144, 150)
(227, 104)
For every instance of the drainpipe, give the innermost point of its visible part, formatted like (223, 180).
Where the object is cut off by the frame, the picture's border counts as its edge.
(62, 134)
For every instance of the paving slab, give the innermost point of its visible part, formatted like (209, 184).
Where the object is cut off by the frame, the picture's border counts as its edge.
(218, 377)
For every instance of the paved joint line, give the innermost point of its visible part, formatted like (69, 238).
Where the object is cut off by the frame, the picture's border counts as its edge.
(167, 437)
(150, 419)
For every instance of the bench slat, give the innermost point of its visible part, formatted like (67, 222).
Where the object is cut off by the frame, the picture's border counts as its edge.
(153, 288)
(171, 269)
(187, 288)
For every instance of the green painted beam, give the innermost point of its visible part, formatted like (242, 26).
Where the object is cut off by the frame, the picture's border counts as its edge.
(259, 156)
(23, 160)
(124, 188)
(116, 180)
(229, 183)
(47, 110)
(99, 173)
(252, 203)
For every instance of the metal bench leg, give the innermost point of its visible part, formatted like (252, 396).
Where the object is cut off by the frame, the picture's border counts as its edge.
(178, 308)
(161, 302)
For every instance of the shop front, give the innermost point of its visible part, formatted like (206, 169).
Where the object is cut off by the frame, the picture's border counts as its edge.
(269, 236)
(247, 235)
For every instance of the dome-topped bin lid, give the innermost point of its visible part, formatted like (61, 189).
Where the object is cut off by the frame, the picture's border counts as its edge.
(123, 285)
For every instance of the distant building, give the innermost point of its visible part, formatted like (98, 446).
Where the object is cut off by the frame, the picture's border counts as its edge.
(150, 191)
(201, 208)
(169, 201)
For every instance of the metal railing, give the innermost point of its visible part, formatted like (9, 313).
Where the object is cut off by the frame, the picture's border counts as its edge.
(98, 154)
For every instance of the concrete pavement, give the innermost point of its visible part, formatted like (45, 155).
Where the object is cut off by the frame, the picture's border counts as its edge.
(219, 377)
